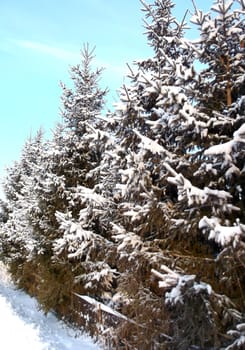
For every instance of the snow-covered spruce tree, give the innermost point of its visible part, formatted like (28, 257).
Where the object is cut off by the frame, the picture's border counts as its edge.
(152, 112)
(70, 224)
(214, 192)
(154, 122)
(223, 167)
(166, 188)
(196, 310)
(18, 239)
(221, 50)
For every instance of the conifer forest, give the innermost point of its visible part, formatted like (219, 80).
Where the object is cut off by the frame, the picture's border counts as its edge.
(130, 223)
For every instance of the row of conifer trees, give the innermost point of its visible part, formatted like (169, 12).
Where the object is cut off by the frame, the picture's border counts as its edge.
(136, 219)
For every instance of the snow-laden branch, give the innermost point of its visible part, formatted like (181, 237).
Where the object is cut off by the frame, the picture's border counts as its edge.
(238, 335)
(151, 145)
(95, 275)
(167, 280)
(227, 148)
(126, 239)
(176, 284)
(88, 195)
(223, 235)
(196, 196)
(77, 237)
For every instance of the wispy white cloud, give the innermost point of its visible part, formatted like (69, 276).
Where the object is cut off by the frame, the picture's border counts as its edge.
(69, 56)
(113, 73)
(49, 50)
(113, 68)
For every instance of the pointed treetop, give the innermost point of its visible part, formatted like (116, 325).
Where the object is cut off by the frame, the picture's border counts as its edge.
(85, 102)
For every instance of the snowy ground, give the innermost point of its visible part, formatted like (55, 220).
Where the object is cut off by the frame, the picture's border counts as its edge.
(24, 327)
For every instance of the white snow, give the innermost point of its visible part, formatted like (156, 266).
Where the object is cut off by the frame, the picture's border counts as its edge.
(223, 235)
(176, 294)
(195, 195)
(227, 147)
(151, 145)
(24, 327)
(239, 135)
(176, 285)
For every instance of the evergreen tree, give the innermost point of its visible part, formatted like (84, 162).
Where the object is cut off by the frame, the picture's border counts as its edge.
(166, 186)
(149, 218)
(19, 241)
(221, 50)
(70, 222)
(217, 206)
(153, 114)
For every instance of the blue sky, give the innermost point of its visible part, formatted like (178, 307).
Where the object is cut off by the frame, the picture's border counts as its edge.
(41, 39)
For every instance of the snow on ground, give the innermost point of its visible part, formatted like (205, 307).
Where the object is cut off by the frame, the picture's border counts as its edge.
(24, 327)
